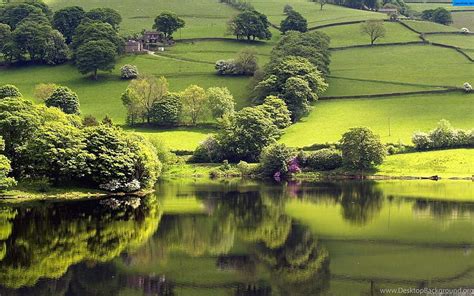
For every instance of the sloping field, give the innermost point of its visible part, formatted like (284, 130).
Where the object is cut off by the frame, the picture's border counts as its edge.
(464, 19)
(347, 35)
(204, 18)
(465, 42)
(426, 27)
(394, 119)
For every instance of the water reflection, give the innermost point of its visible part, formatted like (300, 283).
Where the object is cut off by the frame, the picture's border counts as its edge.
(247, 238)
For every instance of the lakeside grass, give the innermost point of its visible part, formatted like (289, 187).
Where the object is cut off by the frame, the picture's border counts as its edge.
(331, 118)
(444, 163)
(348, 35)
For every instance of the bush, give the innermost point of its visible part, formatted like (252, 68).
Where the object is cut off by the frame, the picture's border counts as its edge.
(210, 150)
(246, 62)
(443, 136)
(128, 72)
(361, 148)
(325, 159)
(275, 160)
(167, 111)
(64, 99)
(467, 87)
(422, 141)
(9, 91)
(226, 67)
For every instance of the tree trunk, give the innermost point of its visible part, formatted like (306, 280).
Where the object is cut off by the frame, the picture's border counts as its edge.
(95, 74)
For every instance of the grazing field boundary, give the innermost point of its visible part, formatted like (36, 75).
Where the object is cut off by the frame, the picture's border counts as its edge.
(462, 10)
(450, 33)
(396, 94)
(409, 27)
(379, 45)
(341, 24)
(392, 82)
(191, 40)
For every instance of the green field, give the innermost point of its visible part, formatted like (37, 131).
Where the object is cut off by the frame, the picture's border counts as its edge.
(464, 19)
(426, 27)
(424, 6)
(465, 42)
(204, 18)
(329, 15)
(403, 115)
(445, 163)
(347, 35)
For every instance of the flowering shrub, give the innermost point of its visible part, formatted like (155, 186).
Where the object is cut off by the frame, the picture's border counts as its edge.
(467, 87)
(128, 72)
(443, 136)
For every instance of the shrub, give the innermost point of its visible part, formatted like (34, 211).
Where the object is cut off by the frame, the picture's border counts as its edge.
(9, 91)
(128, 72)
(467, 87)
(421, 141)
(167, 111)
(325, 159)
(275, 160)
(64, 99)
(443, 136)
(465, 30)
(210, 150)
(44, 90)
(226, 67)
(246, 62)
(90, 120)
(361, 148)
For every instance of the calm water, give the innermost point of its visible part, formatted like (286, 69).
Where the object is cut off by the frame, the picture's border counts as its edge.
(243, 238)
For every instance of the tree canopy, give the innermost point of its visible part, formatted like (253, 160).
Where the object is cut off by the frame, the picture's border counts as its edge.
(96, 55)
(250, 24)
(168, 23)
(294, 21)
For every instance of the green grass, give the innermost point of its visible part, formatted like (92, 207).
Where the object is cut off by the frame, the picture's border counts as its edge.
(426, 27)
(445, 163)
(347, 35)
(424, 6)
(420, 64)
(465, 42)
(464, 20)
(204, 18)
(310, 10)
(330, 119)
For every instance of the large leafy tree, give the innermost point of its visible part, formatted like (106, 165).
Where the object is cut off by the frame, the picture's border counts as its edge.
(194, 100)
(374, 29)
(221, 102)
(96, 55)
(167, 111)
(250, 24)
(5, 35)
(32, 38)
(168, 23)
(64, 99)
(56, 50)
(12, 14)
(67, 19)
(294, 22)
(105, 15)
(5, 168)
(96, 31)
(296, 81)
(361, 148)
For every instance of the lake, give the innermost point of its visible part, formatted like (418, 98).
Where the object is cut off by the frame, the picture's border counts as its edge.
(243, 237)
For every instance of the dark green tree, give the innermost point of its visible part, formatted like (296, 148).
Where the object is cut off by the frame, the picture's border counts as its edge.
(275, 159)
(67, 19)
(13, 13)
(64, 99)
(96, 31)
(9, 91)
(250, 24)
(294, 22)
(277, 111)
(56, 50)
(167, 111)
(95, 55)
(361, 149)
(5, 35)
(442, 16)
(168, 23)
(105, 15)
(32, 38)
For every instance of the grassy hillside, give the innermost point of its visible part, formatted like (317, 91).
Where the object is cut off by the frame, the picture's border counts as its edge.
(445, 163)
(425, 27)
(465, 42)
(204, 18)
(347, 35)
(330, 119)
(464, 19)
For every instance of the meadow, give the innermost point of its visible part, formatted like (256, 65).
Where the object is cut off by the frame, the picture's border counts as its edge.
(464, 19)
(464, 42)
(426, 27)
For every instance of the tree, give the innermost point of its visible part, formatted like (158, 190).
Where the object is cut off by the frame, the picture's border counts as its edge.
(64, 99)
(275, 160)
(5, 168)
(287, 9)
(167, 111)
(56, 50)
(250, 131)
(168, 23)
(296, 81)
(67, 19)
(105, 15)
(221, 102)
(9, 91)
(128, 72)
(277, 111)
(12, 14)
(361, 148)
(313, 45)
(246, 62)
(44, 90)
(142, 94)
(32, 38)
(321, 3)
(294, 22)
(96, 31)
(5, 35)
(250, 24)
(442, 16)
(95, 55)
(194, 103)
(374, 28)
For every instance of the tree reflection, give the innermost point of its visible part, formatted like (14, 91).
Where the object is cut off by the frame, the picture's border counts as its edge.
(361, 202)
(47, 239)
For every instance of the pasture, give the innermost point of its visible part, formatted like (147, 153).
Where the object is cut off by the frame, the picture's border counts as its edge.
(427, 27)
(394, 119)
(465, 42)
(464, 19)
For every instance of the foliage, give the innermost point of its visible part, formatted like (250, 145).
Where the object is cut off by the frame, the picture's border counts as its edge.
(67, 19)
(65, 99)
(195, 103)
(168, 23)
(374, 28)
(220, 102)
(238, 4)
(250, 24)
(105, 15)
(5, 36)
(277, 110)
(442, 137)
(226, 67)
(56, 50)
(14, 13)
(275, 160)
(167, 111)
(128, 71)
(209, 151)
(313, 46)
(90, 120)
(296, 81)
(361, 148)
(287, 9)
(324, 159)
(245, 64)
(5, 168)
(439, 15)
(95, 55)
(9, 91)
(294, 22)
(96, 31)
(44, 90)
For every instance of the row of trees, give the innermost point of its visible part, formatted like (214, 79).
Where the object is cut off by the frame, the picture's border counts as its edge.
(439, 15)
(45, 142)
(148, 100)
(442, 137)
